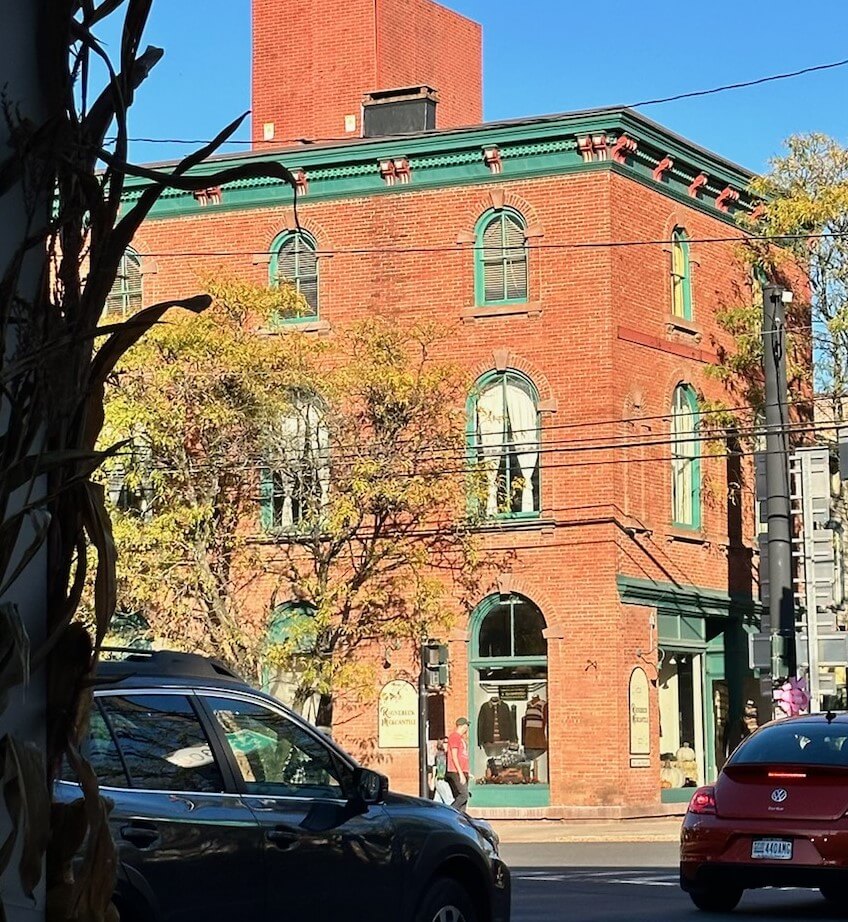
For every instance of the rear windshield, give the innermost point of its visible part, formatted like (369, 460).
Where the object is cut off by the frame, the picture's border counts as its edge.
(798, 744)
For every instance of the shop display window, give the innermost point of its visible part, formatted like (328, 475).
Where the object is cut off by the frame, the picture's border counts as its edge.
(509, 696)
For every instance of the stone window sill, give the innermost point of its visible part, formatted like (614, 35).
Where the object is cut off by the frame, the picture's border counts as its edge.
(482, 312)
(307, 325)
(686, 535)
(517, 523)
(681, 328)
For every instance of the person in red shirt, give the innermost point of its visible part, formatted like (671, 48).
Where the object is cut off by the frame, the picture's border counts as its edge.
(457, 775)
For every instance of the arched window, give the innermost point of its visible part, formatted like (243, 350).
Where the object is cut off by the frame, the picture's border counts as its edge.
(681, 280)
(504, 441)
(294, 260)
(685, 464)
(513, 627)
(295, 484)
(508, 703)
(501, 258)
(126, 295)
(292, 633)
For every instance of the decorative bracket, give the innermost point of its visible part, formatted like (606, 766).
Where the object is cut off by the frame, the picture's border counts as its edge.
(623, 148)
(210, 196)
(662, 168)
(395, 172)
(492, 159)
(592, 147)
(697, 184)
(301, 182)
(726, 198)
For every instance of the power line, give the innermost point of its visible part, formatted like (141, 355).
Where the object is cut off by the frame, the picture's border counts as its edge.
(692, 94)
(463, 249)
(271, 462)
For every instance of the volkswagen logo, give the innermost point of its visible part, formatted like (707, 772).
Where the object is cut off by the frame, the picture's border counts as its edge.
(778, 795)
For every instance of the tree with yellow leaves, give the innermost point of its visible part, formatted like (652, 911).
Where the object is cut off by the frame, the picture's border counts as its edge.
(289, 502)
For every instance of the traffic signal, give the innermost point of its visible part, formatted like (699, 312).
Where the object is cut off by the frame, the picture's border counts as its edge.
(434, 664)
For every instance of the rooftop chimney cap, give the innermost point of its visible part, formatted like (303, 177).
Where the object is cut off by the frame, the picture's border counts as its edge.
(408, 110)
(378, 97)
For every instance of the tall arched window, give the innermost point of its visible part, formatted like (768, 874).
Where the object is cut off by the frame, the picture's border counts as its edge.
(504, 436)
(296, 481)
(685, 464)
(501, 258)
(681, 280)
(294, 260)
(508, 702)
(126, 295)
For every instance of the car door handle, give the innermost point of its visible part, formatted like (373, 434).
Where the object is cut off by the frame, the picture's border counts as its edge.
(283, 837)
(142, 836)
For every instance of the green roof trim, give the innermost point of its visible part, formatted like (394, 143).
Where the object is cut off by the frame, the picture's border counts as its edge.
(693, 601)
(528, 148)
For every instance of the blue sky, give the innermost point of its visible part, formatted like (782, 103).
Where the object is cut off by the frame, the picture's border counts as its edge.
(544, 56)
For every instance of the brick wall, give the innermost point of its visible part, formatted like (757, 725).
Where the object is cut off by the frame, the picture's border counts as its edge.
(600, 351)
(314, 59)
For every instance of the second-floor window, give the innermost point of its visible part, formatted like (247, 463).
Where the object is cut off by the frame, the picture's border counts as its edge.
(296, 479)
(685, 463)
(504, 440)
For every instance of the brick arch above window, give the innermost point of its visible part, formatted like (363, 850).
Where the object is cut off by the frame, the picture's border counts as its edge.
(283, 223)
(506, 360)
(497, 199)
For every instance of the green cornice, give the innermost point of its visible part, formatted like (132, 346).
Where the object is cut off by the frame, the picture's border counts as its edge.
(528, 149)
(693, 601)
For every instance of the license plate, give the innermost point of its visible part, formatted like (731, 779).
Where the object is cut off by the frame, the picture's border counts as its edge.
(772, 849)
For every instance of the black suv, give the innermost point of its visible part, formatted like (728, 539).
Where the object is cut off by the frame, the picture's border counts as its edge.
(229, 806)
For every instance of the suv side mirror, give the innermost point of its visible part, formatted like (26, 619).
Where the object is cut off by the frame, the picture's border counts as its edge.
(371, 787)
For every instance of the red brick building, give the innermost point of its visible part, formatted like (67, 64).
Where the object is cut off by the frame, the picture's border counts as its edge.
(575, 258)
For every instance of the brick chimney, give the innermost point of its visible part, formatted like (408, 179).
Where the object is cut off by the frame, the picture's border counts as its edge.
(315, 60)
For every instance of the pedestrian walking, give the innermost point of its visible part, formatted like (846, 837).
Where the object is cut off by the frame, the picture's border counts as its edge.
(457, 774)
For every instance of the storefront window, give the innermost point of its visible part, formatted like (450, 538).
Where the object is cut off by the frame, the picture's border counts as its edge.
(509, 703)
(681, 722)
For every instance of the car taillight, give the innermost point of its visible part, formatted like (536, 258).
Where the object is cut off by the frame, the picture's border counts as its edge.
(703, 801)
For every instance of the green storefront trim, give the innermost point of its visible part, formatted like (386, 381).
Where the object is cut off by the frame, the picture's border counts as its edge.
(706, 622)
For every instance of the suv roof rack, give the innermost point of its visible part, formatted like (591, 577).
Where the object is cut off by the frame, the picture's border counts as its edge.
(127, 661)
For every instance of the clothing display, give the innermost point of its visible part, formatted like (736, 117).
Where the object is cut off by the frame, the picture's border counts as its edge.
(495, 723)
(534, 725)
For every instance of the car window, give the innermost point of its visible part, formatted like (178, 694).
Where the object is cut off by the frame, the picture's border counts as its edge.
(274, 755)
(100, 750)
(163, 743)
(804, 744)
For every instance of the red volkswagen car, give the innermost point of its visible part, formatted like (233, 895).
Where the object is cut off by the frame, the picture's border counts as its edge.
(776, 817)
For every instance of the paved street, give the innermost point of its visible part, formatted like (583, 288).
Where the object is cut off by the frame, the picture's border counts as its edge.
(634, 881)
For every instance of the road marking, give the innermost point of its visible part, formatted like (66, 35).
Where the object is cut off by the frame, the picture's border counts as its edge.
(621, 876)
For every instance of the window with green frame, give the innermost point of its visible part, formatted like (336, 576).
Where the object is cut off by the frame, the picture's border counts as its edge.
(504, 442)
(294, 484)
(685, 460)
(512, 627)
(681, 278)
(294, 260)
(126, 295)
(500, 273)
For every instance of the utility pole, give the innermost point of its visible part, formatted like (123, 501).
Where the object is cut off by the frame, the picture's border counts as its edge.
(778, 510)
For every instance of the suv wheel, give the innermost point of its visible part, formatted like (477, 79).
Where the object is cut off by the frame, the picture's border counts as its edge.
(447, 901)
(716, 900)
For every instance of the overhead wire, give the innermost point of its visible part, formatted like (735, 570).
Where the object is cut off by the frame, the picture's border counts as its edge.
(464, 248)
(641, 104)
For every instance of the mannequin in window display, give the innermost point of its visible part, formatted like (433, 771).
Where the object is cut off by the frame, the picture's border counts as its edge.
(495, 727)
(534, 728)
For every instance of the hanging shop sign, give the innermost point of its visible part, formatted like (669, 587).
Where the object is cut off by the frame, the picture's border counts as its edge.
(398, 716)
(640, 722)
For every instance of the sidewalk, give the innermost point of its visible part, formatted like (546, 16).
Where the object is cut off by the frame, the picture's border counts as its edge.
(652, 829)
